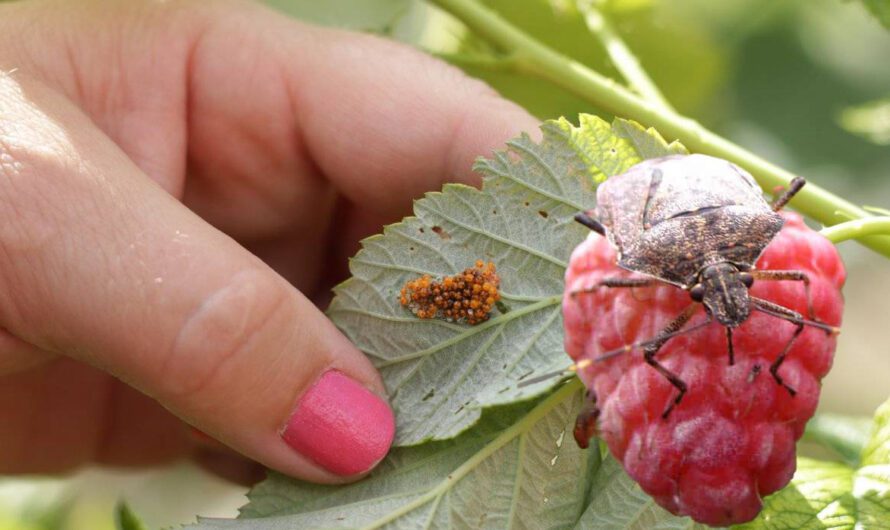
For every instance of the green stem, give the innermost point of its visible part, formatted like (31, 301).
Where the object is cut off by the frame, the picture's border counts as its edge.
(535, 58)
(857, 229)
(621, 56)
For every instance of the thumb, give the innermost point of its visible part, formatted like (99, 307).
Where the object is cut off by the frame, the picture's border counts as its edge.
(98, 262)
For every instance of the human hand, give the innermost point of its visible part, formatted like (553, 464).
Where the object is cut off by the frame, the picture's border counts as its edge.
(179, 183)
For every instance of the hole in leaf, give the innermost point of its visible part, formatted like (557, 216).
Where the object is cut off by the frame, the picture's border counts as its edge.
(543, 214)
(441, 232)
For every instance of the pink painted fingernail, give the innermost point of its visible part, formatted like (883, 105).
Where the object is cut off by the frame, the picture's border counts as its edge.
(341, 425)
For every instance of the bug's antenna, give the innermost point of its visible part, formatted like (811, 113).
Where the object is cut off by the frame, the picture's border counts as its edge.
(584, 363)
(796, 184)
(580, 365)
(765, 306)
(654, 340)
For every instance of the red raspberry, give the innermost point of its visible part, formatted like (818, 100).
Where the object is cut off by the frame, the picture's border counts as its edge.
(731, 439)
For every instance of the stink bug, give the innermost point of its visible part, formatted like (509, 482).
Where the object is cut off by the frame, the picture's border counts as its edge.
(698, 223)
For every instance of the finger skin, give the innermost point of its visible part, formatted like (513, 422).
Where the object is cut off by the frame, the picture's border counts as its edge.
(17, 355)
(64, 413)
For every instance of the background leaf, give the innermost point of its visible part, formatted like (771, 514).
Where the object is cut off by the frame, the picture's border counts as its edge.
(845, 435)
(126, 519)
(869, 120)
(440, 375)
(880, 9)
(519, 468)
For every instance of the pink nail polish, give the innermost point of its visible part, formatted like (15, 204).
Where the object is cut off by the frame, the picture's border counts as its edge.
(341, 425)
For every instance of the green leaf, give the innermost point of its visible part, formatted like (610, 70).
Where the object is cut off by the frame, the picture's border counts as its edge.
(126, 519)
(440, 375)
(618, 503)
(834, 495)
(819, 496)
(519, 467)
(880, 9)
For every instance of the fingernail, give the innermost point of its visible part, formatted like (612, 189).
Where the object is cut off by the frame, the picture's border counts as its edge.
(341, 425)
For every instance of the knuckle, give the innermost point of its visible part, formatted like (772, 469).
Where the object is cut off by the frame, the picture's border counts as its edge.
(214, 343)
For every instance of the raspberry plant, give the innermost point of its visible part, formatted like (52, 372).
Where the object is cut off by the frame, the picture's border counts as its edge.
(474, 449)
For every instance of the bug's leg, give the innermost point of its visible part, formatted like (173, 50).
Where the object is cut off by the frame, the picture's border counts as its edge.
(796, 184)
(615, 282)
(652, 348)
(590, 222)
(797, 276)
(729, 345)
(585, 423)
(794, 317)
(774, 368)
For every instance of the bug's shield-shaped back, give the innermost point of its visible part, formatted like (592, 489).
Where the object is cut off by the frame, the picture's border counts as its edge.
(670, 216)
(676, 249)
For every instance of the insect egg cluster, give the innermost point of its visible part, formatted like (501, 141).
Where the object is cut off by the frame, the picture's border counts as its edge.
(466, 297)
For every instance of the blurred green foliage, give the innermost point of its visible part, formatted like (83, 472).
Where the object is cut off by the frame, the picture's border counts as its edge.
(870, 120)
(880, 9)
(126, 519)
(681, 58)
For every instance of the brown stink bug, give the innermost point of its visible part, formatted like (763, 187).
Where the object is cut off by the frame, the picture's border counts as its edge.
(698, 223)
